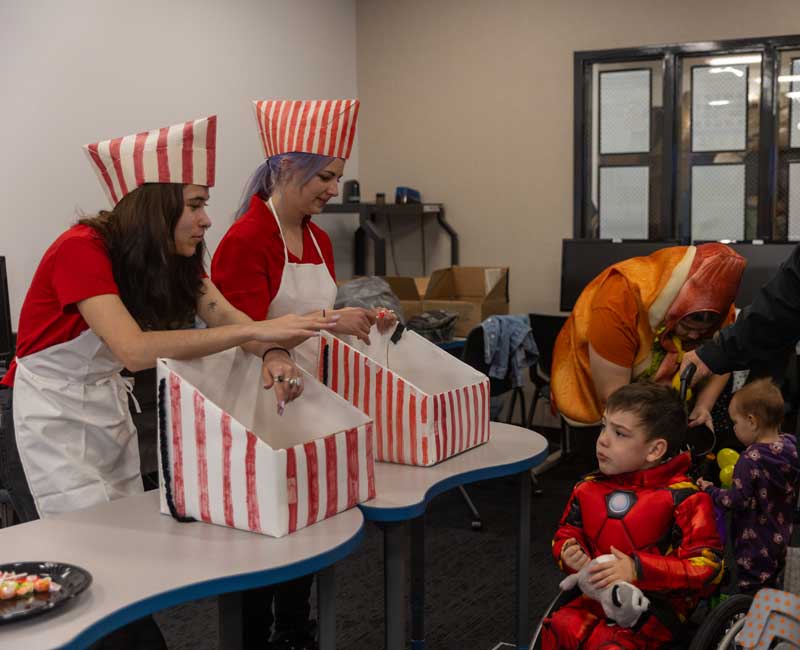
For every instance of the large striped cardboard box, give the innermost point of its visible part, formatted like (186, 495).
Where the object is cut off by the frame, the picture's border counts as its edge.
(425, 404)
(226, 457)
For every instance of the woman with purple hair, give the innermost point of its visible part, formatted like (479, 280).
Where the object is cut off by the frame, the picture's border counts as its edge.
(274, 261)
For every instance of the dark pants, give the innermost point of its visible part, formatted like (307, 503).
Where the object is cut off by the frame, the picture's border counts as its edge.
(12, 476)
(292, 610)
(143, 634)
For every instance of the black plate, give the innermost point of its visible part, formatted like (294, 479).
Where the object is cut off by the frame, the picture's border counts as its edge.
(73, 580)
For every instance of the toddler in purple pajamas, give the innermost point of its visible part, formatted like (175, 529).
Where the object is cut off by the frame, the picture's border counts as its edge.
(763, 495)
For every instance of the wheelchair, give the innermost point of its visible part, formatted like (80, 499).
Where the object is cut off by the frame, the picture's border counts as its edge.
(713, 626)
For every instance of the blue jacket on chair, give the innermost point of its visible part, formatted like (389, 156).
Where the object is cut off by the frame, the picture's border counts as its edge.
(508, 342)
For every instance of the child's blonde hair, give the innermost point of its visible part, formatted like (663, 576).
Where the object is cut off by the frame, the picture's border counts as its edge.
(763, 400)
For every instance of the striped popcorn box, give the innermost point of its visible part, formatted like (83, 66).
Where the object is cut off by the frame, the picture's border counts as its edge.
(426, 404)
(226, 457)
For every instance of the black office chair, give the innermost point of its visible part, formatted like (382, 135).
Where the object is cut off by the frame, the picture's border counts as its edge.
(7, 515)
(545, 328)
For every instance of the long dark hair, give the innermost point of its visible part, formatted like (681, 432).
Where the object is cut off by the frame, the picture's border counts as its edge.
(159, 287)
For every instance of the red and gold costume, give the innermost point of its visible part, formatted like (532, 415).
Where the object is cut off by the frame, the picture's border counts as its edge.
(659, 518)
(628, 315)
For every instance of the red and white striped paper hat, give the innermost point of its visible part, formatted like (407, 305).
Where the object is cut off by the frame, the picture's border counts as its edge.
(325, 127)
(182, 153)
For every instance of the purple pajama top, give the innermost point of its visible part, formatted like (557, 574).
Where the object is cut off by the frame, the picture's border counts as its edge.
(761, 499)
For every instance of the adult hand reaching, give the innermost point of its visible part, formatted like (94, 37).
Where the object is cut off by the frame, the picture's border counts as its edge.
(291, 330)
(386, 319)
(281, 374)
(702, 371)
(355, 321)
(701, 416)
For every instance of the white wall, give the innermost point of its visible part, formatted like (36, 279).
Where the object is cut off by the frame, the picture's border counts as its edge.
(86, 70)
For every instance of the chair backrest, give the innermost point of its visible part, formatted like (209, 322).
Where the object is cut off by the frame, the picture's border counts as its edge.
(6, 335)
(545, 328)
(473, 355)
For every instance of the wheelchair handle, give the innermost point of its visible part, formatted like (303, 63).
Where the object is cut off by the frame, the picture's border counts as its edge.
(686, 380)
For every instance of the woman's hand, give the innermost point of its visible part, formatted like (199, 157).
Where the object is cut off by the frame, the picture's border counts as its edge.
(572, 555)
(355, 321)
(699, 416)
(621, 569)
(291, 330)
(386, 319)
(281, 373)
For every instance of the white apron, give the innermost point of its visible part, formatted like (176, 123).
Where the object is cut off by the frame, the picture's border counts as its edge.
(304, 288)
(76, 438)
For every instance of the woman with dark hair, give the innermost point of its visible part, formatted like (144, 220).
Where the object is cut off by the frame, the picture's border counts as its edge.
(118, 291)
(273, 261)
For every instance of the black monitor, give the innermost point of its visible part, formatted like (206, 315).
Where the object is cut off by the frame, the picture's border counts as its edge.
(6, 336)
(583, 259)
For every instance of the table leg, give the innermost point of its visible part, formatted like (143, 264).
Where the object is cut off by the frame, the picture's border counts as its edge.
(394, 575)
(229, 607)
(418, 583)
(523, 634)
(326, 605)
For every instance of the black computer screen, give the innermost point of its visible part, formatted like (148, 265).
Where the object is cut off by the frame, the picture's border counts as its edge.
(6, 341)
(583, 259)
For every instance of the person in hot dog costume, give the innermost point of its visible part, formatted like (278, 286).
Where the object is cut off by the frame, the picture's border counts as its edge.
(636, 320)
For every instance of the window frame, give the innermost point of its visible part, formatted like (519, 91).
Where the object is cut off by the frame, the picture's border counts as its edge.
(665, 224)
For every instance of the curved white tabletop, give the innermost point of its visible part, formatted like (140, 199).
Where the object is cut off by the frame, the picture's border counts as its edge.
(142, 561)
(403, 491)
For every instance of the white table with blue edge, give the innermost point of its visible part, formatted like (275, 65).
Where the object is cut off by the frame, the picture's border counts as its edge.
(403, 493)
(142, 561)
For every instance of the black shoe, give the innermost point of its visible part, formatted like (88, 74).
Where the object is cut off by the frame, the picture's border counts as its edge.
(292, 641)
(296, 639)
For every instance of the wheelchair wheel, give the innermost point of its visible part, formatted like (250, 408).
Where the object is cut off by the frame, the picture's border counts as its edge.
(720, 623)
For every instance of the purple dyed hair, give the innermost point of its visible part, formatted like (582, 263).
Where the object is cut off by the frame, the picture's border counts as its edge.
(270, 174)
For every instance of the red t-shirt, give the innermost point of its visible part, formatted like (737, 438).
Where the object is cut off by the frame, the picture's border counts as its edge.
(75, 267)
(248, 264)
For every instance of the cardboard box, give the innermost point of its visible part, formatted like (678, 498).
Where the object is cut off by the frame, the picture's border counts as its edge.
(410, 291)
(233, 461)
(425, 404)
(473, 292)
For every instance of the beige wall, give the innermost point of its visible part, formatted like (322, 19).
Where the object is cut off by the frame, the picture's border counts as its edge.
(471, 102)
(85, 70)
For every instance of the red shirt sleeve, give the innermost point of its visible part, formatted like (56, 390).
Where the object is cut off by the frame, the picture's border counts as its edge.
(612, 331)
(239, 270)
(81, 270)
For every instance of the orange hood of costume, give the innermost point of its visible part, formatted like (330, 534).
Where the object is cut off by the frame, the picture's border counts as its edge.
(667, 286)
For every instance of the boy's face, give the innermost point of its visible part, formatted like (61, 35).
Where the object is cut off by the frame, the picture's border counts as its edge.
(623, 444)
(744, 426)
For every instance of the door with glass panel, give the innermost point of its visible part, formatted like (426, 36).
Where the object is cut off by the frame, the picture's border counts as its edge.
(626, 137)
(718, 112)
(787, 210)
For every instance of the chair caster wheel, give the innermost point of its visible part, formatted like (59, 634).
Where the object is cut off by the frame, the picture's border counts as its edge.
(477, 525)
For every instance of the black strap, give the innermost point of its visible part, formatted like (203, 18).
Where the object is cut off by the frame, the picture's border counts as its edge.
(325, 360)
(398, 332)
(162, 441)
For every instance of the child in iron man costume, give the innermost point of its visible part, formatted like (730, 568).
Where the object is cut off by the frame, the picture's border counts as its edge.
(642, 507)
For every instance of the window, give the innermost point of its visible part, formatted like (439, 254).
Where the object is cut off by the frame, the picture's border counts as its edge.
(689, 142)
